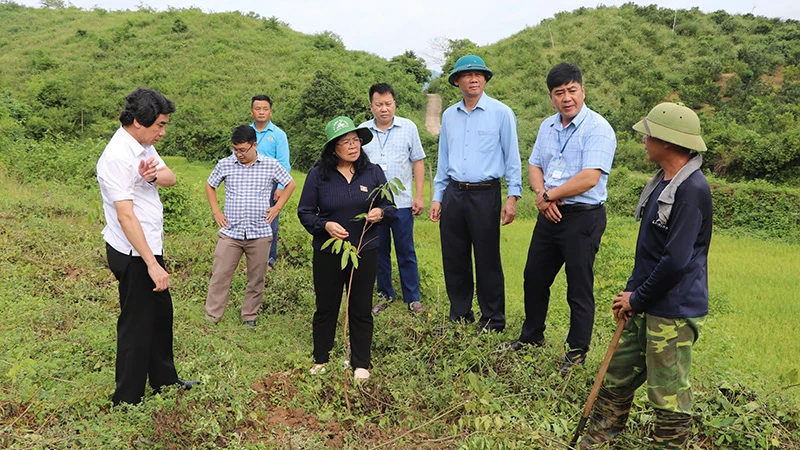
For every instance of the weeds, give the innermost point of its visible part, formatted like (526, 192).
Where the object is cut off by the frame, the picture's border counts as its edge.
(435, 385)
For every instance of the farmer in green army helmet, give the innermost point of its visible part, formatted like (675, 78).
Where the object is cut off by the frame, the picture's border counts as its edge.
(477, 146)
(666, 298)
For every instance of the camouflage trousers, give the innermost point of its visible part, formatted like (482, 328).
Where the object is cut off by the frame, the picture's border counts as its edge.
(657, 350)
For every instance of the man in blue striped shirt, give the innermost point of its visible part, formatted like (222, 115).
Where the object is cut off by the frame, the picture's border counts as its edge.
(477, 146)
(568, 170)
(272, 143)
(245, 224)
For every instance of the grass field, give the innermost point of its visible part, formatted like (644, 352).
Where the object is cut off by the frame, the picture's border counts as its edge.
(433, 385)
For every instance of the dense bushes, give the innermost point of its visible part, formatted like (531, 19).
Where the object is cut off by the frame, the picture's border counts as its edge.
(757, 207)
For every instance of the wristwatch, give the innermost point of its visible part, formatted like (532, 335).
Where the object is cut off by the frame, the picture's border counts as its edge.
(545, 197)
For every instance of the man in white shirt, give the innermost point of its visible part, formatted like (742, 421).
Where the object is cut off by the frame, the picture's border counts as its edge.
(129, 172)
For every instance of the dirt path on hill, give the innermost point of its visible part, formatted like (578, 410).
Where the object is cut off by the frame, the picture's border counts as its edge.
(433, 115)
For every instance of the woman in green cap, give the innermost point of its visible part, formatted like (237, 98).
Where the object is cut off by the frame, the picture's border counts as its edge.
(338, 188)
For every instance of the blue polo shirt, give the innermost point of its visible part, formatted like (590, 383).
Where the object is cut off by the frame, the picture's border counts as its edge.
(588, 142)
(272, 142)
(478, 145)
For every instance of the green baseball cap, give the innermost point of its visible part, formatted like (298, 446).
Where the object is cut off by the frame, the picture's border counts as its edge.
(467, 63)
(675, 123)
(340, 126)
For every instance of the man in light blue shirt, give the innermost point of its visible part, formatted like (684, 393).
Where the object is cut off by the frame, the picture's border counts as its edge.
(568, 170)
(272, 142)
(397, 149)
(477, 146)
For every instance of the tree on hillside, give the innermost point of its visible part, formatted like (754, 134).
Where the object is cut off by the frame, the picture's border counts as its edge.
(410, 63)
(325, 98)
(53, 4)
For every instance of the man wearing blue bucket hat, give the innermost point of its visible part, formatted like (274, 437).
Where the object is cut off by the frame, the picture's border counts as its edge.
(477, 146)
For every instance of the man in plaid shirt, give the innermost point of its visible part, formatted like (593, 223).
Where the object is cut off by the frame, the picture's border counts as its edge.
(245, 224)
(397, 149)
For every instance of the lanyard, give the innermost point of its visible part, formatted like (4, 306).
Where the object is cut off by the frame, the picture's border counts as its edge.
(563, 147)
(388, 132)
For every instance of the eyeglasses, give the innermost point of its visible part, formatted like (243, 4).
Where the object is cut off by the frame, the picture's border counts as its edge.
(348, 142)
(242, 151)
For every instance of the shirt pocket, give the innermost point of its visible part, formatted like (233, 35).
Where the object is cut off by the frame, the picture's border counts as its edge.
(488, 140)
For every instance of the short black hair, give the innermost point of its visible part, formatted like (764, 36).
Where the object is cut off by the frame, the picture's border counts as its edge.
(562, 74)
(262, 97)
(145, 105)
(380, 88)
(242, 134)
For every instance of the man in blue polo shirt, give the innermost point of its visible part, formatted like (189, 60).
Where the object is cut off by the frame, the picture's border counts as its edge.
(477, 146)
(568, 170)
(398, 151)
(272, 142)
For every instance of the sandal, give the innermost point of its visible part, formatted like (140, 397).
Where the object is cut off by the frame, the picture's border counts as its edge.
(361, 374)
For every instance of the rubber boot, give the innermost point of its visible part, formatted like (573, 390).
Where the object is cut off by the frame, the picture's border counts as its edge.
(609, 415)
(671, 430)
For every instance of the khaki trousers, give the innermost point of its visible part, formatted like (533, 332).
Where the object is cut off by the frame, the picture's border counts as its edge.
(226, 259)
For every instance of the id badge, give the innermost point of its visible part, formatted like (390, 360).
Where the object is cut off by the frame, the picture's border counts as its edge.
(557, 170)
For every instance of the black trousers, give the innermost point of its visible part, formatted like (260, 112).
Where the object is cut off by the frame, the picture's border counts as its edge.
(329, 279)
(574, 241)
(144, 329)
(471, 223)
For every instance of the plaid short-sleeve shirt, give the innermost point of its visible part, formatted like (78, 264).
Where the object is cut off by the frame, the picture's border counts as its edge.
(247, 193)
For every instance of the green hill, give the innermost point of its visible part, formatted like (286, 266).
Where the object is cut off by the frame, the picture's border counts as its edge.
(740, 72)
(66, 71)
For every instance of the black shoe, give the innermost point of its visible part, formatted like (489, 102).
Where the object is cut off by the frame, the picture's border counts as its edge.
(572, 359)
(519, 345)
(186, 384)
(249, 323)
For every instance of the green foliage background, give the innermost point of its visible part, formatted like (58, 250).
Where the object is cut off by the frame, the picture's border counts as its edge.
(741, 73)
(66, 71)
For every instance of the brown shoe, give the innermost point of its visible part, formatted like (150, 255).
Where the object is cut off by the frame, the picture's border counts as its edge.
(383, 303)
(415, 307)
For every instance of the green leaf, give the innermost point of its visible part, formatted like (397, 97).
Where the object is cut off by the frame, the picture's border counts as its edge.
(328, 243)
(358, 217)
(337, 246)
(354, 258)
(345, 255)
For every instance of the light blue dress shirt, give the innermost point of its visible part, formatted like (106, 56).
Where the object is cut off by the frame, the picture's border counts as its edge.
(395, 150)
(478, 145)
(272, 142)
(588, 142)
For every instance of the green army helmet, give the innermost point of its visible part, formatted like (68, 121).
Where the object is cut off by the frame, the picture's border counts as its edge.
(339, 126)
(467, 63)
(675, 123)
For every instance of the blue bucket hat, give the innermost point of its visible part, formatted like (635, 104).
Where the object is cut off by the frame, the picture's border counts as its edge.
(467, 63)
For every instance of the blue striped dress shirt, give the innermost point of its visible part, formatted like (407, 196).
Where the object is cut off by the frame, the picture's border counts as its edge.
(588, 142)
